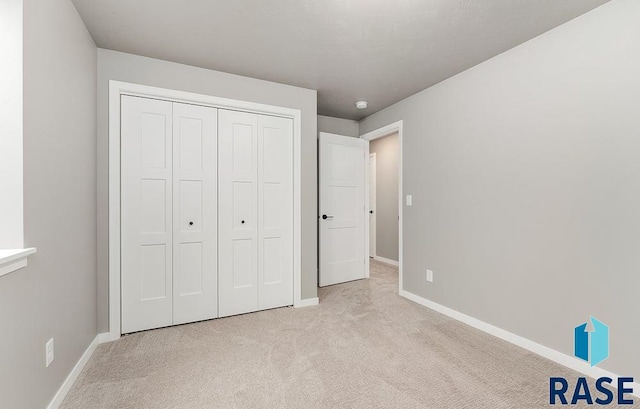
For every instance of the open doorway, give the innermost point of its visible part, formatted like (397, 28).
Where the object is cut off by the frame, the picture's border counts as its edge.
(384, 212)
(384, 182)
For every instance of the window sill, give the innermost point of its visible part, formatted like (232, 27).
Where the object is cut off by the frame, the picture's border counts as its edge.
(12, 260)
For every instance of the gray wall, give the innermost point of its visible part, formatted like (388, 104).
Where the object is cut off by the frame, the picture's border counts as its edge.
(524, 173)
(55, 296)
(147, 71)
(387, 152)
(339, 126)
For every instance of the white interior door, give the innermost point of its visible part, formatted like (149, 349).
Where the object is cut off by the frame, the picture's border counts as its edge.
(146, 202)
(372, 204)
(343, 198)
(275, 212)
(238, 212)
(195, 230)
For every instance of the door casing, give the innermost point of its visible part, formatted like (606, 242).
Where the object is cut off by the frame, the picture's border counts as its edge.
(395, 127)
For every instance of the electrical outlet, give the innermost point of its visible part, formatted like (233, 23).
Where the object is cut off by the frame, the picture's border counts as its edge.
(409, 200)
(49, 352)
(430, 276)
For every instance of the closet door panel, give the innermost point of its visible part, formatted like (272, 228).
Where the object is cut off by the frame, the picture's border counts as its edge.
(195, 279)
(237, 234)
(275, 209)
(146, 203)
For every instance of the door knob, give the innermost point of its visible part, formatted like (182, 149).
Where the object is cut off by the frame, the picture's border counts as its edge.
(325, 217)
(242, 222)
(370, 211)
(190, 223)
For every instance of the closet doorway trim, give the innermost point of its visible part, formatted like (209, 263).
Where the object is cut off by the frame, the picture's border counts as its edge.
(116, 90)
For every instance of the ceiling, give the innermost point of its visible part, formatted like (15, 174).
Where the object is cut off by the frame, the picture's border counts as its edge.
(378, 50)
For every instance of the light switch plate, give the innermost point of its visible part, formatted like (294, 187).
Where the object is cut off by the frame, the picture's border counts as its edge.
(49, 352)
(409, 200)
(430, 276)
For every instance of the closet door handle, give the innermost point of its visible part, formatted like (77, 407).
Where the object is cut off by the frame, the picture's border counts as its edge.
(242, 221)
(325, 217)
(190, 223)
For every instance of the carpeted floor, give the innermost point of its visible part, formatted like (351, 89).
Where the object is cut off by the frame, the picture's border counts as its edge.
(362, 347)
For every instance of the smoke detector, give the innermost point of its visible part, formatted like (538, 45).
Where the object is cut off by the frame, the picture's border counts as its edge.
(362, 104)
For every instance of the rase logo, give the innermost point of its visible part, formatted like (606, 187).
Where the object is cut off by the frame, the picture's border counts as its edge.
(590, 344)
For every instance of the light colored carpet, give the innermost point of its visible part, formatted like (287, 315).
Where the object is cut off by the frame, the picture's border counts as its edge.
(362, 347)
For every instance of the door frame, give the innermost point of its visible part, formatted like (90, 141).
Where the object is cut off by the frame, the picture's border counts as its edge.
(116, 90)
(387, 130)
(374, 215)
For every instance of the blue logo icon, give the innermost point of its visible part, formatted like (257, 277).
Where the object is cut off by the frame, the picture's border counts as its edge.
(591, 344)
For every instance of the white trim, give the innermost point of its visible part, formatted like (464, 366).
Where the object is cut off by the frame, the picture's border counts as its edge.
(297, 206)
(367, 206)
(386, 260)
(104, 337)
(75, 372)
(546, 352)
(12, 260)
(381, 133)
(373, 206)
(308, 302)
(116, 89)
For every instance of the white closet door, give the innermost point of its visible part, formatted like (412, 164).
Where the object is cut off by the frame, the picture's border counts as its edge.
(275, 212)
(238, 213)
(195, 278)
(146, 202)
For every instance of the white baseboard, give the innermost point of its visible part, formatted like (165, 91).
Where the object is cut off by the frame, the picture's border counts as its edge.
(546, 352)
(75, 372)
(386, 260)
(308, 302)
(108, 337)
